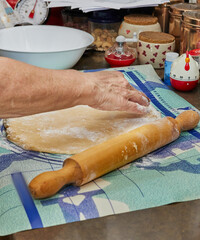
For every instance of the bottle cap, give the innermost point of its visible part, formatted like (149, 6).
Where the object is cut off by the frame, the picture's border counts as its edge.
(122, 39)
(171, 56)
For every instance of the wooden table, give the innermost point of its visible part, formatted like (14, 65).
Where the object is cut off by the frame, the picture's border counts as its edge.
(179, 221)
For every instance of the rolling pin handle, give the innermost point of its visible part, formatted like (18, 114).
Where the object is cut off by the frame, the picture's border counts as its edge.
(49, 183)
(187, 120)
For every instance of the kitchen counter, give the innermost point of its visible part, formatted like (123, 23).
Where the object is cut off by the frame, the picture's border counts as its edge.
(178, 221)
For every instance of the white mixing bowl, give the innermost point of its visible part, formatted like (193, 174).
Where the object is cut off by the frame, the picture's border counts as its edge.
(45, 46)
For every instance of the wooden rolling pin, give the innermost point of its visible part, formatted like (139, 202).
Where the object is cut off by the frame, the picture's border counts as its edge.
(112, 154)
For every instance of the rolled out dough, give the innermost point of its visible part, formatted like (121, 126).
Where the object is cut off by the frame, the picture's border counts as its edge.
(72, 130)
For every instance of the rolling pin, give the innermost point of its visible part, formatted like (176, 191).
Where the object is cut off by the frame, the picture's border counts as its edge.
(112, 154)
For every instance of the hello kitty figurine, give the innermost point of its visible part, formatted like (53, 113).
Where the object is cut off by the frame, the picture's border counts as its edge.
(184, 74)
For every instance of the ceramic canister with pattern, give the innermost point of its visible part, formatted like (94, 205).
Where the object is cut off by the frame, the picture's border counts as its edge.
(138, 23)
(153, 46)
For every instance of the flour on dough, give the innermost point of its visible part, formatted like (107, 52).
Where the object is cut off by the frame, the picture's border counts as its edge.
(72, 130)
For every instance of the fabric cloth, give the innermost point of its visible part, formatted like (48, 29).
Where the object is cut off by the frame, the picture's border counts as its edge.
(169, 174)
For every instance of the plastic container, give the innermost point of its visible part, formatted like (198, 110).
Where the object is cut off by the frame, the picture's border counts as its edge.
(104, 25)
(170, 57)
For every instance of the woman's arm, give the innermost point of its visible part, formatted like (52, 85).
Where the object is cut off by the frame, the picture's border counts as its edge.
(26, 90)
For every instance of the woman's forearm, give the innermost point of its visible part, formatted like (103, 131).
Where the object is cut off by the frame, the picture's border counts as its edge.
(27, 90)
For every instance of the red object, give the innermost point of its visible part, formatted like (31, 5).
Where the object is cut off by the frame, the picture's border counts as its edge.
(194, 52)
(32, 13)
(187, 67)
(12, 3)
(183, 85)
(119, 61)
(55, 17)
(187, 60)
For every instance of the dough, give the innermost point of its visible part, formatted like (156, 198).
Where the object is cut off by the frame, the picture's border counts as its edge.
(72, 130)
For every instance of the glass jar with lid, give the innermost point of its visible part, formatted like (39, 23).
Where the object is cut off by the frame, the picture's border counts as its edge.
(190, 31)
(75, 18)
(176, 13)
(104, 25)
(162, 13)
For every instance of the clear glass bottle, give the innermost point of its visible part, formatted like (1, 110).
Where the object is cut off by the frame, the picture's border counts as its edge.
(120, 54)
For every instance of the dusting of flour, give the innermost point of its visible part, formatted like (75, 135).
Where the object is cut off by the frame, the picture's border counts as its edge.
(77, 132)
(73, 130)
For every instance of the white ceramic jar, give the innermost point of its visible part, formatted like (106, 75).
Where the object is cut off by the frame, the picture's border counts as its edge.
(153, 46)
(138, 23)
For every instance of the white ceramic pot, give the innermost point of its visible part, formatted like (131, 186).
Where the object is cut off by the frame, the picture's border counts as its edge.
(127, 29)
(154, 53)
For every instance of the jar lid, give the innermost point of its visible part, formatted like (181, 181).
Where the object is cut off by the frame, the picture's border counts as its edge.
(156, 37)
(73, 12)
(105, 16)
(171, 56)
(140, 19)
(194, 52)
(179, 8)
(69, 10)
(176, 1)
(168, 4)
(192, 18)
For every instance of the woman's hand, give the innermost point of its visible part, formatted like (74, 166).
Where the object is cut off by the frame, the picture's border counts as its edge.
(109, 90)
